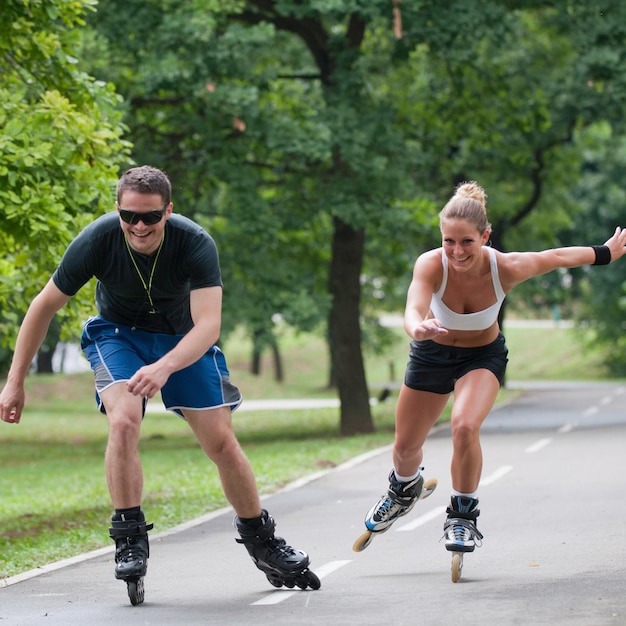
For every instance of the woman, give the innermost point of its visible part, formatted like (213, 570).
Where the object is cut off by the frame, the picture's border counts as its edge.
(451, 315)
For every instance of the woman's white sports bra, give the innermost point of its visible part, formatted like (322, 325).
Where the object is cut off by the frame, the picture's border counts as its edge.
(480, 320)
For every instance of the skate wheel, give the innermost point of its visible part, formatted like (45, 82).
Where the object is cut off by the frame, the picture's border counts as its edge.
(363, 541)
(457, 566)
(274, 580)
(135, 591)
(312, 580)
(429, 486)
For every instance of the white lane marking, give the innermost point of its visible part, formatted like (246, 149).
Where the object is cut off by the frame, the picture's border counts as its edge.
(499, 473)
(422, 519)
(280, 595)
(329, 568)
(567, 428)
(538, 445)
(276, 597)
(436, 512)
(606, 400)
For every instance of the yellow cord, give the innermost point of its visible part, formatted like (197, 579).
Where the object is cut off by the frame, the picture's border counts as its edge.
(148, 287)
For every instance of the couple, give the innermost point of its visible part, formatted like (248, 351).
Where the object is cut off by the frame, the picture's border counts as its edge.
(159, 300)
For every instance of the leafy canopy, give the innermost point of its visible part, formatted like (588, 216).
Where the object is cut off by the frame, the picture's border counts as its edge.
(60, 146)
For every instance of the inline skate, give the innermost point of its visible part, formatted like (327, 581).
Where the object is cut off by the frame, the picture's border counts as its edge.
(281, 564)
(400, 498)
(460, 531)
(131, 554)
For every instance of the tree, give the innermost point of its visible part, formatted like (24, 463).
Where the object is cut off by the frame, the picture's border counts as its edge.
(60, 145)
(316, 139)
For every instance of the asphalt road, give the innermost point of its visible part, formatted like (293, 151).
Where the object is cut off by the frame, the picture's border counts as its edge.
(553, 516)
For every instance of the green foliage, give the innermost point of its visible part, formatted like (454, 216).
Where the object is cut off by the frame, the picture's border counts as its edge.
(275, 118)
(602, 192)
(237, 114)
(508, 104)
(60, 146)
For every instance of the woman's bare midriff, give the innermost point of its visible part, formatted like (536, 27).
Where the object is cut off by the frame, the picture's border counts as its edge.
(469, 338)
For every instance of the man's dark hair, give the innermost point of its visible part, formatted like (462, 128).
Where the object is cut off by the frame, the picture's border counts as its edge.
(145, 179)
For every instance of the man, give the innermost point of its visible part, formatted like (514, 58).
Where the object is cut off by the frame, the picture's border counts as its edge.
(159, 299)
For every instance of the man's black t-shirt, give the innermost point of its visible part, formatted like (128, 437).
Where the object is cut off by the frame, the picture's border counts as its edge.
(187, 260)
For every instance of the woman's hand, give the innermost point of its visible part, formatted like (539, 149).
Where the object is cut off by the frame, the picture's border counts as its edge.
(427, 329)
(617, 243)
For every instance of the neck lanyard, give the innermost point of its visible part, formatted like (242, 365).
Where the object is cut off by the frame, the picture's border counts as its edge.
(147, 287)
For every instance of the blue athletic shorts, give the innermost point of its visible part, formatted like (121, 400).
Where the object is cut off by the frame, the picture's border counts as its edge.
(116, 352)
(436, 368)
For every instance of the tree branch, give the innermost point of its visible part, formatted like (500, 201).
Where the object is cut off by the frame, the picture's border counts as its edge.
(309, 30)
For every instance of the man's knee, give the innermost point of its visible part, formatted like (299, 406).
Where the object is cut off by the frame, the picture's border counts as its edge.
(124, 427)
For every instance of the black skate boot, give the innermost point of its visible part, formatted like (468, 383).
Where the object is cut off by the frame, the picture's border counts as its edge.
(131, 553)
(282, 564)
(460, 529)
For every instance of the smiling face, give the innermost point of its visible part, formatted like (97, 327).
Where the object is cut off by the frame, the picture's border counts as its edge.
(141, 238)
(462, 243)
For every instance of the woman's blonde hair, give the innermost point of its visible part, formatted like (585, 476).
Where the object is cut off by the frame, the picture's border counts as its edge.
(469, 202)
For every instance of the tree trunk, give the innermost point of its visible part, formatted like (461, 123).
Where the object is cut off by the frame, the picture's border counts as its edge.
(255, 365)
(279, 375)
(344, 328)
(44, 360)
(48, 348)
(332, 377)
(262, 339)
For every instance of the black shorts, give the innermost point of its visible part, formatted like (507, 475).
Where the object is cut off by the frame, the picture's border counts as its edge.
(436, 368)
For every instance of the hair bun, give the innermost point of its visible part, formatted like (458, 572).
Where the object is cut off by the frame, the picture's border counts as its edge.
(472, 190)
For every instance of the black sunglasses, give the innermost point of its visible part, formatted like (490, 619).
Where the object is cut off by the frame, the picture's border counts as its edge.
(149, 218)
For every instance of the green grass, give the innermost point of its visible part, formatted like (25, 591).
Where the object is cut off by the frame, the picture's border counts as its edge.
(552, 354)
(54, 498)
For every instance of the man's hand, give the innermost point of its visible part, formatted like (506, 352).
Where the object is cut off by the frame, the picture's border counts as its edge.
(148, 380)
(12, 401)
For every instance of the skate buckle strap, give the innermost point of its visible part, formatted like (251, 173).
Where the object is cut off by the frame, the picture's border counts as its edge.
(454, 514)
(275, 544)
(396, 498)
(129, 529)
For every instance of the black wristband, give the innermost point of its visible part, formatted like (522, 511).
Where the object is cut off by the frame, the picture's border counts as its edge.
(603, 255)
